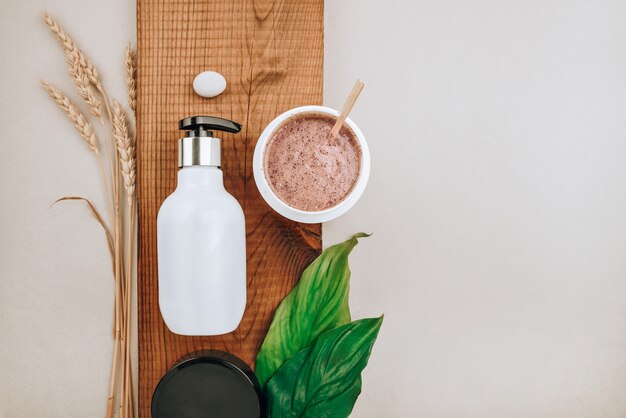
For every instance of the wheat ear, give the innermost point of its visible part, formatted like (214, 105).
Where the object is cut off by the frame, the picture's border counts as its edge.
(130, 69)
(84, 89)
(125, 148)
(75, 115)
(74, 54)
(82, 70)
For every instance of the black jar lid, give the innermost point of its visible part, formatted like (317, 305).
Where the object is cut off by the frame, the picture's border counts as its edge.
(208, 383)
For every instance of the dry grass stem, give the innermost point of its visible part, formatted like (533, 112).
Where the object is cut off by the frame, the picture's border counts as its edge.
(96, 214)
(114, 371)
(130, 70)
(130, 248)
(75, 115)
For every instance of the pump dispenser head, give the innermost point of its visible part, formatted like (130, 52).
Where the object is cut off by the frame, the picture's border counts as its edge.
(199, 147)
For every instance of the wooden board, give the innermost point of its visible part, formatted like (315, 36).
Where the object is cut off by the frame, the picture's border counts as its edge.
(271, 53)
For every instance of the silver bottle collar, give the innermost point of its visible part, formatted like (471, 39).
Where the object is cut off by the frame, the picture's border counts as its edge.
(199, 151)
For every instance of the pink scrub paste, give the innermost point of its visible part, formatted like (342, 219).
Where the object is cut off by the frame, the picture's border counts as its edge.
(306, 168)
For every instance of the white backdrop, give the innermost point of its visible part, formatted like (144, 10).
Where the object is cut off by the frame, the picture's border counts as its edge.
(497, 201)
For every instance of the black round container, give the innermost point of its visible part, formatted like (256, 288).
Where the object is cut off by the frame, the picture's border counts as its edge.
(208, 383)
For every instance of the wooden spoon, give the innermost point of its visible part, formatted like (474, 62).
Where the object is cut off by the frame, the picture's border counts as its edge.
(347, 107)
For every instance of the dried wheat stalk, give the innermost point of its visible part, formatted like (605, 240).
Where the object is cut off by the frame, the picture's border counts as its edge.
(74, 114)
(84, 89)
(125, 148)
(73, 53)
(130, 70)
(121, 146)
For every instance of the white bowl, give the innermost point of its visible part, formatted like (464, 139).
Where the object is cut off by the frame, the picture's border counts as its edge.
(289, 211)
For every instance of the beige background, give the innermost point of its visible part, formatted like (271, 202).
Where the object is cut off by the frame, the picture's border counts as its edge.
(497, 202)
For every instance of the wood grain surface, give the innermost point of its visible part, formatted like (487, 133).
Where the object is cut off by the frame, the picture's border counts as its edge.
(271, 53)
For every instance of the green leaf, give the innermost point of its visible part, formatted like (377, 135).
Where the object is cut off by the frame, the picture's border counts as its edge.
(324, 379)
(319, 302)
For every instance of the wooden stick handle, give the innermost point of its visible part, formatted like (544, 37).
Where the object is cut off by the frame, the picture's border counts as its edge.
(347, 107)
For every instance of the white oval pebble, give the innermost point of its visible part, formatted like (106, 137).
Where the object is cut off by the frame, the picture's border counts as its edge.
(209, 84)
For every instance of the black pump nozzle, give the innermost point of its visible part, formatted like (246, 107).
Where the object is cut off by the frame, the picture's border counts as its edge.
(197, 126)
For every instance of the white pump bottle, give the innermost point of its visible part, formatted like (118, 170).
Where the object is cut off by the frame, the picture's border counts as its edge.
(201, 239)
